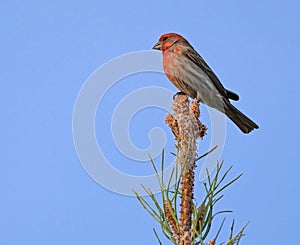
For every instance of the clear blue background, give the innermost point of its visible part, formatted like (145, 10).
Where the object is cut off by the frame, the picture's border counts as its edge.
(47, 52)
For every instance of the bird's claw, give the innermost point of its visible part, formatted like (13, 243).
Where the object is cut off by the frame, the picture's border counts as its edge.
(178, 93)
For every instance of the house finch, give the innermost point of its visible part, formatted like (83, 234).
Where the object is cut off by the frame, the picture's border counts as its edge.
(188, 71)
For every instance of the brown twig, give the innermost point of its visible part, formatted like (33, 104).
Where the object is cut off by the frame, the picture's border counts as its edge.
(172, 222)
(187, 129)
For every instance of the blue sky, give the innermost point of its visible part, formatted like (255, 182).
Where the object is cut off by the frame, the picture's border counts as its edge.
(49, 50)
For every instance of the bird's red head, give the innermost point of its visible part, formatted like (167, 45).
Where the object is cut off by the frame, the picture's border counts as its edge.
(168, 40)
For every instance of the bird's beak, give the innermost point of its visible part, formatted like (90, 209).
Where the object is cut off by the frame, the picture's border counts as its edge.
(158, 45)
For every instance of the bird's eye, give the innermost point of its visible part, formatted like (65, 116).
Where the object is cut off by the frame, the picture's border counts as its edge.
(164, 38)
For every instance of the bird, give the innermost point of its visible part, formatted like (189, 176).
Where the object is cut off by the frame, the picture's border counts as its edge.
(188, 71)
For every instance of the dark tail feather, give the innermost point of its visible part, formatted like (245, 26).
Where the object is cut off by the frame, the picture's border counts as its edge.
(232, 95)
(242, 121)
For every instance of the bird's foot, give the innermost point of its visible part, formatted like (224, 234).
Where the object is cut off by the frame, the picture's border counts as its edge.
(178, 93)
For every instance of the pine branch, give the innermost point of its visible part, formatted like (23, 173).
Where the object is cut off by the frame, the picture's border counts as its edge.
(188, 223)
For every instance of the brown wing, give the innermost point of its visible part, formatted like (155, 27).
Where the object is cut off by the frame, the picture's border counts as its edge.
(199, 61)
